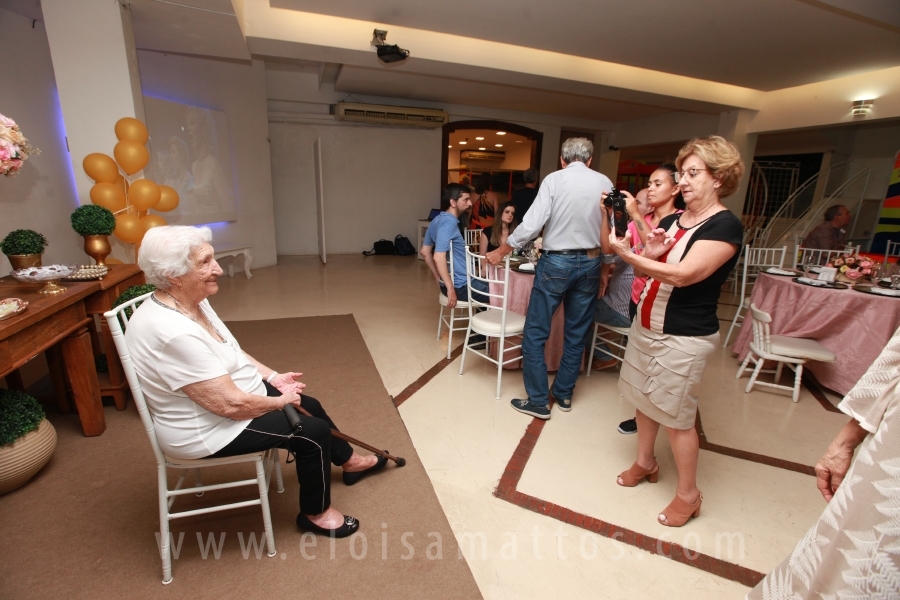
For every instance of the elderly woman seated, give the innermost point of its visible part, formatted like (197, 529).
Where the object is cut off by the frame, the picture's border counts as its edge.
(209, 398)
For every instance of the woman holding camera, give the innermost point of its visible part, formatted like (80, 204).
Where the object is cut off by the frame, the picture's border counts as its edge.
(687, 258)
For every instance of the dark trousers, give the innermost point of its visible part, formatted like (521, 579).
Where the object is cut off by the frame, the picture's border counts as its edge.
(632, 309)
(313, 448)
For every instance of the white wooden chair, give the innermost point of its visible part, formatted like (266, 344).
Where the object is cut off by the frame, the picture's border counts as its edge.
(755, 259)
(784, 350)
(459, 313)
(611, 336)
(263, 461)
(494, 321)
(473, 239)
(820, 256)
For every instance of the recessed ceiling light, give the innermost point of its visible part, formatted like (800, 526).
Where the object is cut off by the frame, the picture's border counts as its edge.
(482, 148)
(518, 141)
(479, 138)
(450, 146)
(501, 133)
(463, 142)
(499, 145)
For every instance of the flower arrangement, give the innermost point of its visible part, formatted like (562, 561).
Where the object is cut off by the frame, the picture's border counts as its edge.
(14, 148)
(852, 266)
(532, 250)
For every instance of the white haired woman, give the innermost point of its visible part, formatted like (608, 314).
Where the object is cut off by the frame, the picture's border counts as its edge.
(687, 259)
(210, 398)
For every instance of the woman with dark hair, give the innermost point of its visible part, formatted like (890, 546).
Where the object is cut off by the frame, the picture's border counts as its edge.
(688, 257)
(664, 197)
(494, 236)
(485, 206)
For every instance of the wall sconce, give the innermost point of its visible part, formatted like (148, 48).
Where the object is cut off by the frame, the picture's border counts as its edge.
(861, 108)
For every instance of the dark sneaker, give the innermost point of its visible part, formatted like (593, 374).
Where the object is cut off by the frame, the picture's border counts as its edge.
(564, 405)
(628, 427)
(525, 406)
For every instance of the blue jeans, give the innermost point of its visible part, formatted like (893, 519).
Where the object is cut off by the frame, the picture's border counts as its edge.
(462, 293)
(608, 316)
(573, 280)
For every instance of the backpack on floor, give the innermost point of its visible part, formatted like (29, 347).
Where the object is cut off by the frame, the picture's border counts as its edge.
(381, 247)
(403, 246)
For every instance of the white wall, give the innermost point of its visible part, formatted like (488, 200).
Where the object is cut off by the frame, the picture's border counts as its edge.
(42, 195)
(239, 90)
(377, 181)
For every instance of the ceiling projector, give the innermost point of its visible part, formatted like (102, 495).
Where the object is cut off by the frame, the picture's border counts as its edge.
(386, 53)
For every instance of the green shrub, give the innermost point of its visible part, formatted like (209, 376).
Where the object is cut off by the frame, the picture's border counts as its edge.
(19, 414)
(91, 219)
(23, 241)
(130, 294)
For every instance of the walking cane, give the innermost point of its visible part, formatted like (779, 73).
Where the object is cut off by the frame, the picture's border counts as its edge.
(293, 417)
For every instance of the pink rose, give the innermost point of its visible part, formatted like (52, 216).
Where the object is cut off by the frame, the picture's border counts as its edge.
(866, 264)
(853, 274)
(838, 262)
(5, 154)
(866, 271)
(7, 121)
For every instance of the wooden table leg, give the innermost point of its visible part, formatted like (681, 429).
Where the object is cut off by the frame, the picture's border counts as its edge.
(79, 360)
(116, 375)
(14, 381)
(58, 377)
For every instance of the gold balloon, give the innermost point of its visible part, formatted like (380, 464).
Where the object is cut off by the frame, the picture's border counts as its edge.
(131, 156)
(100, 167)
(129, 228)
(129, 128)
(168, 199)
(143, 194)
(122, 183)
(108, 195)
(151, 221)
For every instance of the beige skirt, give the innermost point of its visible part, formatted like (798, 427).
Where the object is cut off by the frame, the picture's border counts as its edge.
(661, 374)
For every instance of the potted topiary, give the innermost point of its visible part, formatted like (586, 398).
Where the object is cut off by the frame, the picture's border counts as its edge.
(95, 223)
(27, 439)
(23, 248)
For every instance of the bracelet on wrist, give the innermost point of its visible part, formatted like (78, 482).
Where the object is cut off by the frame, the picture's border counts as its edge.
(271, 376)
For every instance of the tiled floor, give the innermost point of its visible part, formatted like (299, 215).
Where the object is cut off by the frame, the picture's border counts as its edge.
(559, 526)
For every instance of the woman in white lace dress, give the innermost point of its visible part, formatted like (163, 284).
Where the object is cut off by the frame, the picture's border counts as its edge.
(853, 550)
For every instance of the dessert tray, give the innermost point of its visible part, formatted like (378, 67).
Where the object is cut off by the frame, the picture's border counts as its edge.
(88, 273)
(10, 307)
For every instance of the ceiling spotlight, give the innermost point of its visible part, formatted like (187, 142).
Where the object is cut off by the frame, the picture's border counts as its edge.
(450, 146)
(465, 141)
(501, 133)
(482, 148)
(386, 53)
(499, 145)
(479, 138)
(861, 108)
(518, 141)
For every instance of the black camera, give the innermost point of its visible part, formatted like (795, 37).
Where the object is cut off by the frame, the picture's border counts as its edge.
(616, 201)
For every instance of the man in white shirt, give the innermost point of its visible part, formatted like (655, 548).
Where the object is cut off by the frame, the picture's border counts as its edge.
(567, 208)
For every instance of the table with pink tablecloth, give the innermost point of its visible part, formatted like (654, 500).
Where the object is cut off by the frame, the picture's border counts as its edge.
(520, 285)
(853, 325)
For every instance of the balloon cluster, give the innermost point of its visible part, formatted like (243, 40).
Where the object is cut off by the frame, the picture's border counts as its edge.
(128, 200)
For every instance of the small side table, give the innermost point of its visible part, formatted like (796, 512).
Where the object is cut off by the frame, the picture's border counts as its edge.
(113, 284)
(423, 227)
(222, 252)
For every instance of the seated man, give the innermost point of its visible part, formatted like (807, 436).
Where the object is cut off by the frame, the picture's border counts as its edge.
(209, 398)
(444, 232)
(830, 235)
(612, 308)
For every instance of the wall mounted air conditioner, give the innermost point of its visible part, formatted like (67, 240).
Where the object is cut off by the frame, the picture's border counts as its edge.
(389, 115)
(494, 156)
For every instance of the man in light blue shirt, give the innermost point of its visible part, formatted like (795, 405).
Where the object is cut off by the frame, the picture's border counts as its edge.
(442, 234)
(567, 208)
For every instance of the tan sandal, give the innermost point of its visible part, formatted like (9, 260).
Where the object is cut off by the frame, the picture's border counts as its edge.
(636, 473)
(679, 512)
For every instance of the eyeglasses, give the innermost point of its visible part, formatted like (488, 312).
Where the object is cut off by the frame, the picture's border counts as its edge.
(691, 173)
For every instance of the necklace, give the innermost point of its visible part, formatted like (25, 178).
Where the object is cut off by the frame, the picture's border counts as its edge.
(182, 310)
(680, 226)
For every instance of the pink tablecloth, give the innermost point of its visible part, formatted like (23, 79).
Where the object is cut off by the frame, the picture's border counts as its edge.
(520, 285)
(853, 325)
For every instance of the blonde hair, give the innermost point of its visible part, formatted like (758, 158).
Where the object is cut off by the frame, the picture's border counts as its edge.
(722, 158)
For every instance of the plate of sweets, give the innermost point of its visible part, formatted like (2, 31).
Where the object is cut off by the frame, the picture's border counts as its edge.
(10, 307)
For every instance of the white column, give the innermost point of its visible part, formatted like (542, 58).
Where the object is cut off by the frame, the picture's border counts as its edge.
(733, 126)
(95, 65)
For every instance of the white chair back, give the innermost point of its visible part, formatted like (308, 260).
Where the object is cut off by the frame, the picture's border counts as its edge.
(820, 256)
(117, 319)
(479, 269)
(761, 338)
(755, 260)
(473, 239)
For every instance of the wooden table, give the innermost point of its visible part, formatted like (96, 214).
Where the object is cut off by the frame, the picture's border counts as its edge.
(113, 284)
(50, 320)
